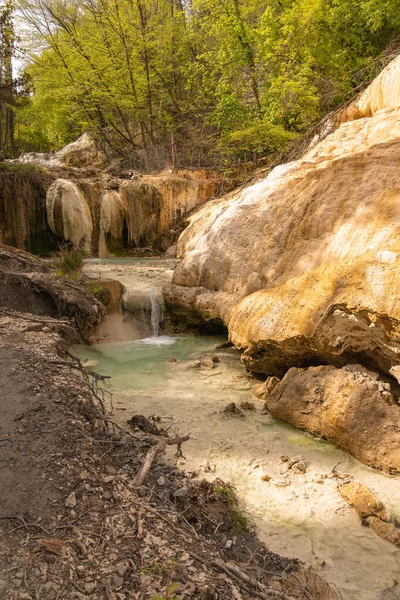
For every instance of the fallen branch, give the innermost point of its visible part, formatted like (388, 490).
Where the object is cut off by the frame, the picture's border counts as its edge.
(155, 451)
(257, 588)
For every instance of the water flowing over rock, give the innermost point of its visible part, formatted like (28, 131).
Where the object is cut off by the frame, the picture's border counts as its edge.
(303, 267)
(96, 207)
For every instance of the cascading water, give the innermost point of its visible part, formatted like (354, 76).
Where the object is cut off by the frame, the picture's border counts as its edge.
(156, 312)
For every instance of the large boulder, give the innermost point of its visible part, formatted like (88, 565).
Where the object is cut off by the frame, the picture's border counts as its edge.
(347, 406)
(304, 266)
(83, 152)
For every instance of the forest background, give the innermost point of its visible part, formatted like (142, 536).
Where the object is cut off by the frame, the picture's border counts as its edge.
(199, 83)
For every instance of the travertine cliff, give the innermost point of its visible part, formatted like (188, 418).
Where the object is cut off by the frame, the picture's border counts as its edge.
(69, 197)
(304, 266)
(108, 215)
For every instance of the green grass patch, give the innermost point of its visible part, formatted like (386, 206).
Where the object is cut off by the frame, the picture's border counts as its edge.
(21, 168)
(240, 521)
(69, 262)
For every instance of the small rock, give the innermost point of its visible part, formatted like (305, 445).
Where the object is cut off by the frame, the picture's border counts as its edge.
(363, 500)
(282, 483)
(263, 390)
(224, 345)
(90, 587)
(299, 467)
(228, 544)
(46, 330)
(181, 492)
(232, 410)
(71, 500)
(118, 581)
(266, 478)
(207, 362)
(194, 364)
(297, 464)
(247, 405)
(122, 569)
(173, 360)
(387, 531)
(161, 480)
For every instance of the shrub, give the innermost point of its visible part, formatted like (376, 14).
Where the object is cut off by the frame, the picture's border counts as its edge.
(69, 261)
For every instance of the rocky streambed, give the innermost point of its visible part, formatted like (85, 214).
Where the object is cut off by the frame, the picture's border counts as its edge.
(298, 511)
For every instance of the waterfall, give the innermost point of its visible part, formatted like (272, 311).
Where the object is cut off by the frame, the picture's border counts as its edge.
(156, 311)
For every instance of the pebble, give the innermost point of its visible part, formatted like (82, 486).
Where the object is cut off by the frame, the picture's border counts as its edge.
(118, 581)
(122, 569)
(181, 492)
(70, 502)
(161, 480)
(90, 587)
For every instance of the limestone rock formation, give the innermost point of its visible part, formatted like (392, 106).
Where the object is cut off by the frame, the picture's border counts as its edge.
(364, 501)
(23, 219)
(87, 205)
(348, 406)
(83, 152)
(68, 213)
(108, 216)
(371, 510)
(303, 266)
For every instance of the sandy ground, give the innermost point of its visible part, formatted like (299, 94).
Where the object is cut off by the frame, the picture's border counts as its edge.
(300, 515)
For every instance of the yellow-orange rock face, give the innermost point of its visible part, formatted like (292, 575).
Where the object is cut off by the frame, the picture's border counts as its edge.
(348, 406)
(304, 266)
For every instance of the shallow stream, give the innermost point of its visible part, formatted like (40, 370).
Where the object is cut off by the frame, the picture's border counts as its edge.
(297, 515)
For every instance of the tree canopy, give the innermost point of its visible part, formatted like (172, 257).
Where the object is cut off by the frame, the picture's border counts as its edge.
(201, 82)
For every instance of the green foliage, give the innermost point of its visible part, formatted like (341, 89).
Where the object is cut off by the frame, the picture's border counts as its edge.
(69, 261)
(259, 139)
(95, 290)
(169, 594)
(18, 167)
(240, 521)
(196, 82)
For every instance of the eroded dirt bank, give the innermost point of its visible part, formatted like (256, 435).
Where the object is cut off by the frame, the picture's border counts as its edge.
(72, 522)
